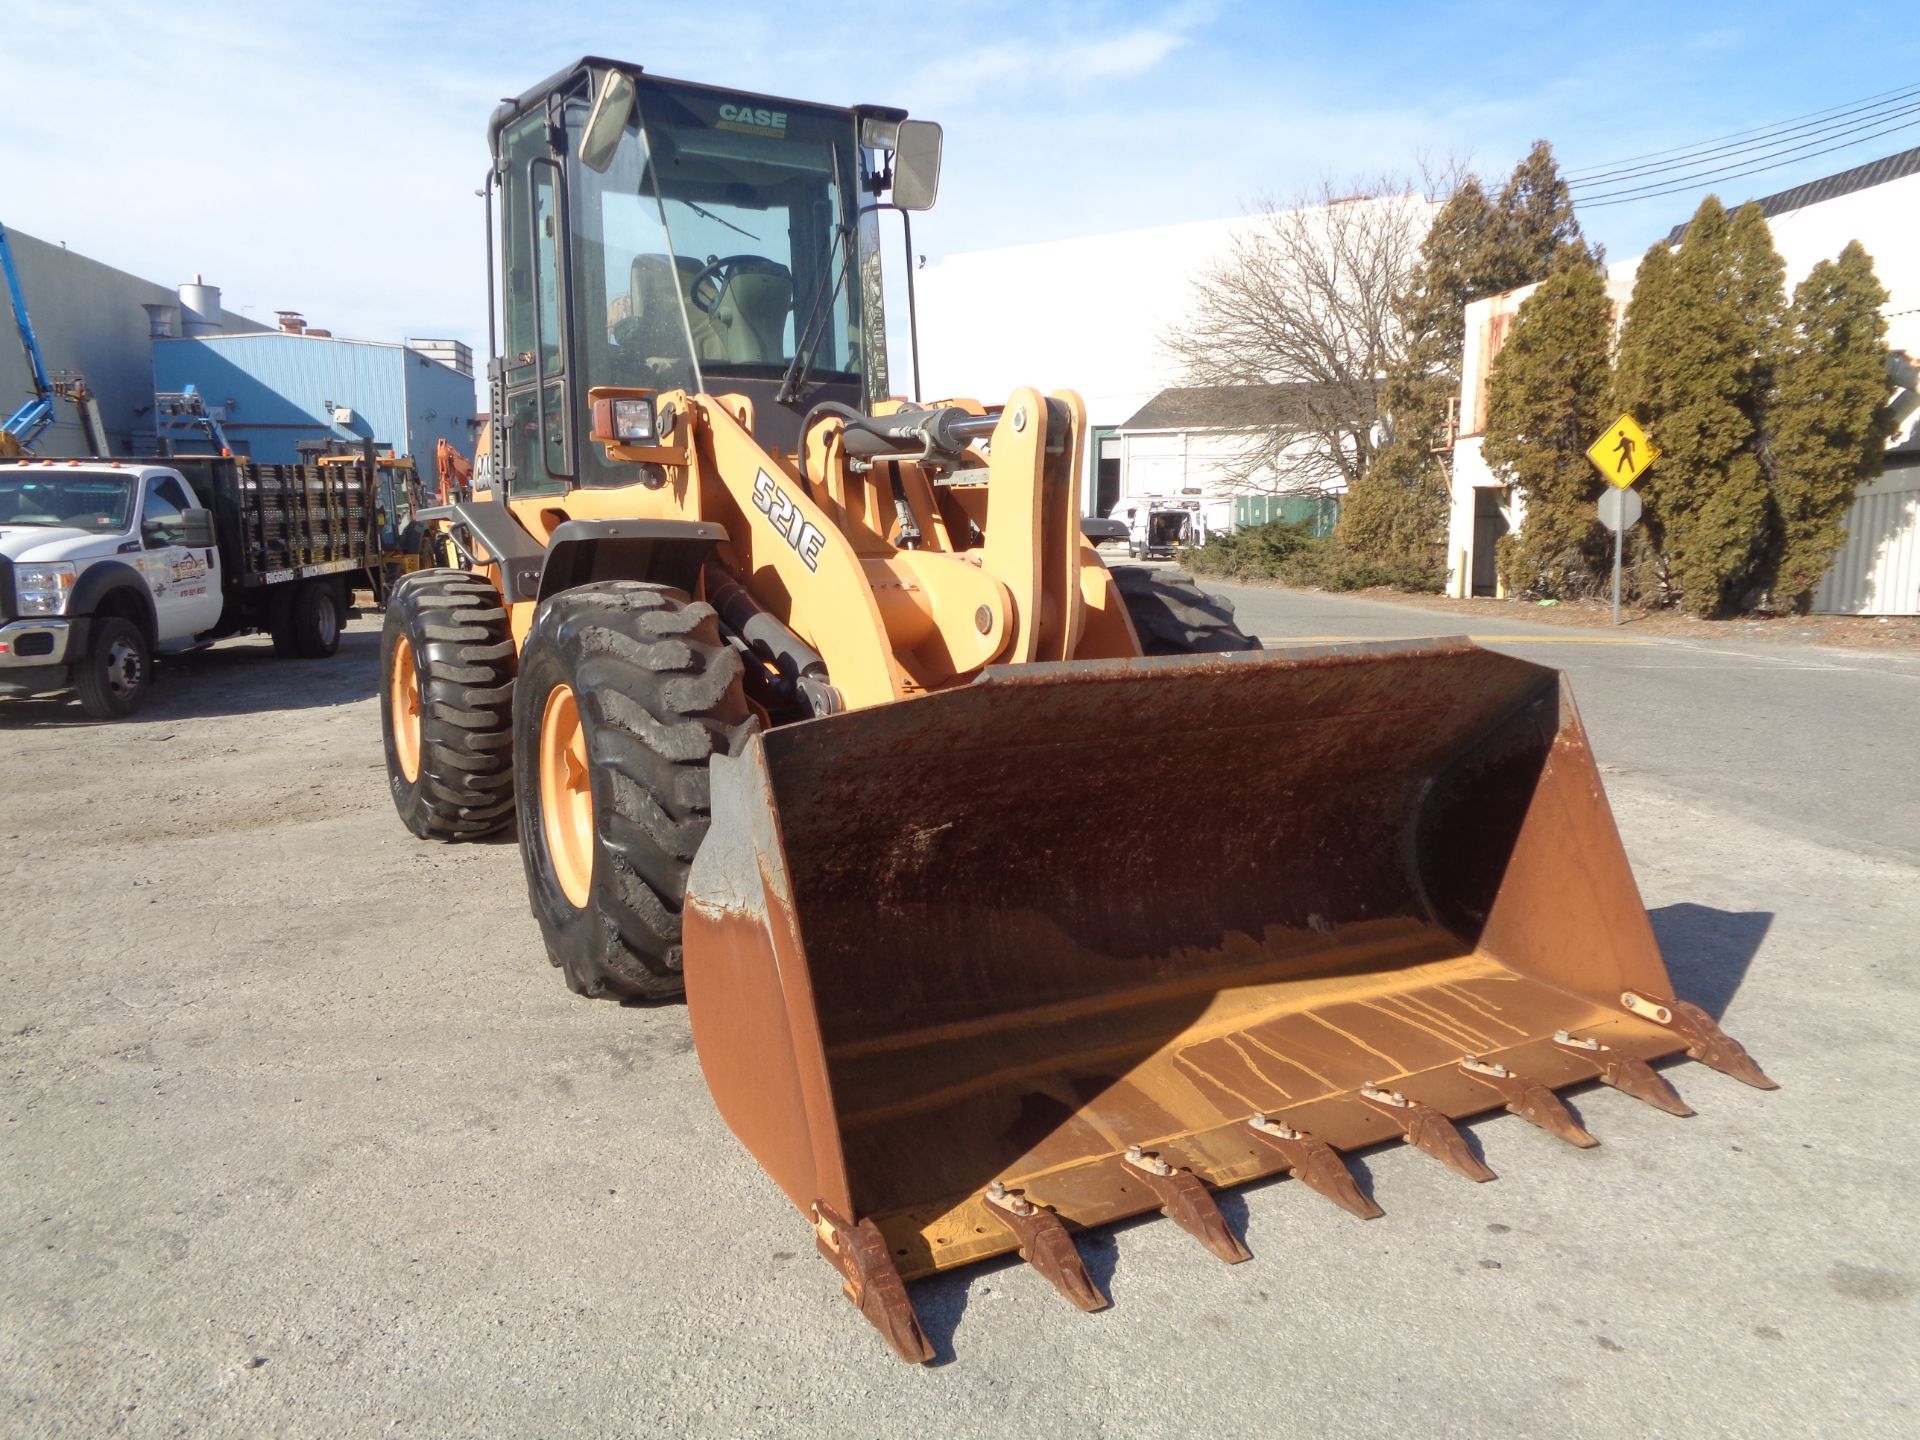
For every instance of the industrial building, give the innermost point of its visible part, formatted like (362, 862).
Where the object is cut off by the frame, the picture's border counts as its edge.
(1877, 571)
(272, 388)
(94, 320)
(275, 390)
(1090, 313)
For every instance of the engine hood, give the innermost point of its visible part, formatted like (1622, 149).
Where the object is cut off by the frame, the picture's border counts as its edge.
(44, 544)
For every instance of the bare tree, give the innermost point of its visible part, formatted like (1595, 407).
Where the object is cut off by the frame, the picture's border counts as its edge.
(1296, 328)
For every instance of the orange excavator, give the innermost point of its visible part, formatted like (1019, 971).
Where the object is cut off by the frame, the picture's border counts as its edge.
(806, 698)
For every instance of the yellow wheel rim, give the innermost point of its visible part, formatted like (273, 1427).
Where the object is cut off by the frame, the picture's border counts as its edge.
(404, 687)
(566, 796)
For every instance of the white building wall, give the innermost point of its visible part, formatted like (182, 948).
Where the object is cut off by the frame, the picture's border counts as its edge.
(1085, 314)
(1175, 462)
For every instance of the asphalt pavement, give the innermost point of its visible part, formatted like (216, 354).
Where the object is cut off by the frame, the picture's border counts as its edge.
(302, 1135)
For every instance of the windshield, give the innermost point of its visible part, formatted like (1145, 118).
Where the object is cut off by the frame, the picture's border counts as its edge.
(718, 240)
(100, 503)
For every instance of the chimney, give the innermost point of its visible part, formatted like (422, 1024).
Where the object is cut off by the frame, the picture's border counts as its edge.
(292, 322)
(200, 308)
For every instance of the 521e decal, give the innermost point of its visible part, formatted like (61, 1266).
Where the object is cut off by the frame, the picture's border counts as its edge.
(781, 508)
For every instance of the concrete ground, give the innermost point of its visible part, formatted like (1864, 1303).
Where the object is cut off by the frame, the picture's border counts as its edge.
(302, 1135)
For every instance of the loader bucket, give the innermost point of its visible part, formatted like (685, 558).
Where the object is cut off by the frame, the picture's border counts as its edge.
(949, 960)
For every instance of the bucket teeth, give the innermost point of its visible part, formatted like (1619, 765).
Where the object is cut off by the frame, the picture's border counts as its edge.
(1628, 1074)
(1315, 1164)
(1186, 1201)
(873, 1283)
(1706, 1041)
(1427, 1129)
(1045, 1245)
(1530, 1100)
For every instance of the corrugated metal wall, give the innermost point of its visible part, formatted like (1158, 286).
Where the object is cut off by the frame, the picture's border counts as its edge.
(88, 317)
(279, 389)
(1877, 571)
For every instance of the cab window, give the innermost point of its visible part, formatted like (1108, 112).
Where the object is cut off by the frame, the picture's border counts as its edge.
(161, 520)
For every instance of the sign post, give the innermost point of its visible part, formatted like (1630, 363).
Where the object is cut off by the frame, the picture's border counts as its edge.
(1622, 455)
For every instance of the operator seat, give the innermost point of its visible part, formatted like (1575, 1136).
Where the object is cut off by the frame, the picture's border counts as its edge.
(751, 313)
(658, 286)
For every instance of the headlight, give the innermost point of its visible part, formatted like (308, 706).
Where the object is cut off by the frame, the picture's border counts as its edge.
(43, 589)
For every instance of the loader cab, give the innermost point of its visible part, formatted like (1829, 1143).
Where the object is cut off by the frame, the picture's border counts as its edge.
(666, 235)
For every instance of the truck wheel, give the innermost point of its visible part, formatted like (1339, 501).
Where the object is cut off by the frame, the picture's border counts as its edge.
(315, 618)
(446, 705)
(112, 677)
(1174, 616)
(626, 692)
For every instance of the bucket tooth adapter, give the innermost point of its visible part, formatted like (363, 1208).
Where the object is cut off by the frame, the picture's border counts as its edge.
(820, 706)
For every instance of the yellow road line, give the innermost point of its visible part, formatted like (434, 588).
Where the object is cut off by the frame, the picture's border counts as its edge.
(1477, 639)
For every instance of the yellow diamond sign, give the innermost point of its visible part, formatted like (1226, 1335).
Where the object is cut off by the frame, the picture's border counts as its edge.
(1623, 453)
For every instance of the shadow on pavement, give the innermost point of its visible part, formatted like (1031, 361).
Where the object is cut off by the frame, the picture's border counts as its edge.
(237, 677)
(1708, 951)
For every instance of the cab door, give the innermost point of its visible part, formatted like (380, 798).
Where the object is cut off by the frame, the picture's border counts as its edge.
(185, 582)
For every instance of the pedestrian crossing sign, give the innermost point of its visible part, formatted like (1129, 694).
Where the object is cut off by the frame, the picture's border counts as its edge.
(1623, 453)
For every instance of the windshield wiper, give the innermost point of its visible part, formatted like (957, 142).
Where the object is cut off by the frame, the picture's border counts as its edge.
(820, 313)
(705, 213)
(819, 317)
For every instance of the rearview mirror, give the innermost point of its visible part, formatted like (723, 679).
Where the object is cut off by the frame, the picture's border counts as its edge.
(607, 121)
(196, 529)
(916, 165)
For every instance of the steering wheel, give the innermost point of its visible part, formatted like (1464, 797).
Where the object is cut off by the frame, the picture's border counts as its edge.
(715, 273)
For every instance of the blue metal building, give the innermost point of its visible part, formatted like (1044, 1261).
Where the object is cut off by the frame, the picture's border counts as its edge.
(275, 389)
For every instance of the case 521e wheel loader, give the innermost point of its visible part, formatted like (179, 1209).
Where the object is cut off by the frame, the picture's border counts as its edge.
(822, 701)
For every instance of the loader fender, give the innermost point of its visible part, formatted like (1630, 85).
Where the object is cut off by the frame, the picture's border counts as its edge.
(656, 552)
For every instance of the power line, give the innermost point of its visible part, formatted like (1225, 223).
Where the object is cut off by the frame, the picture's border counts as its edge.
(1589, 172)
(1732, 154)
(1742, 174)
(1854, 135)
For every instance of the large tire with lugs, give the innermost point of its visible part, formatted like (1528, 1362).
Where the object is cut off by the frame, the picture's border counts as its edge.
(626, 692)
(446, 705)
(1174, 616)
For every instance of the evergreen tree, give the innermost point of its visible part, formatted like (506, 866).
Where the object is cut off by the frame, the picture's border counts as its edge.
(1695, 365)
(1533, 223)
(1828, 425)
(1547, 399)
(1395, 514)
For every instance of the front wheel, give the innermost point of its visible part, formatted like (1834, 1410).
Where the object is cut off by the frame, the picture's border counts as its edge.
(112, 677)
(626, 692)
(1174, 616)
(446, 705)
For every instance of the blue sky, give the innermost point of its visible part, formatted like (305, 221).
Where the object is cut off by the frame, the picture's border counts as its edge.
(325, 158)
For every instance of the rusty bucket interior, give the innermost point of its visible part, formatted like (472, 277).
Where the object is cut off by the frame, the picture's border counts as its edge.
(1002, 934)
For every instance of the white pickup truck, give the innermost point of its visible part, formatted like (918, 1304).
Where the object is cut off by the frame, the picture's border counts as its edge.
(105, 564)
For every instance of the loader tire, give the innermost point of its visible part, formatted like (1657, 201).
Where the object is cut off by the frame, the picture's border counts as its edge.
(446, 705)
(626, 693)
(1174, 616)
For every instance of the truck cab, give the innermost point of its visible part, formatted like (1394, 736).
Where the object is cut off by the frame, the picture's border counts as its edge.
(102, 565)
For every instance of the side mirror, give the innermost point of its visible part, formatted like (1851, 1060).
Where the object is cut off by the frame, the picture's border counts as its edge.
(196, 529)
(916, 165)
(607, 121)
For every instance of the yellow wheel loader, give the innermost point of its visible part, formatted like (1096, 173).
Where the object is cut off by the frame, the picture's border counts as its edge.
(817, 702)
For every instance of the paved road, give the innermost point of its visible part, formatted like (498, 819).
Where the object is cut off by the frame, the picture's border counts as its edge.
(302, 1136)
(1822, 742)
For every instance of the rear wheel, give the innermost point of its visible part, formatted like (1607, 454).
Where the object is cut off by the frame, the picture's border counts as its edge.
(446, 705)
(113, 675)
(1174, 616)
(626, 693)
(315, 618)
